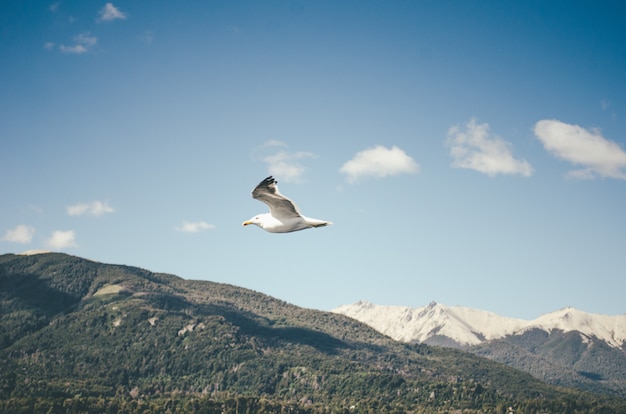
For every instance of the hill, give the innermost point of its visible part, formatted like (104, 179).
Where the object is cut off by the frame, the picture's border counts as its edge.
(567, 347)
(78, 335)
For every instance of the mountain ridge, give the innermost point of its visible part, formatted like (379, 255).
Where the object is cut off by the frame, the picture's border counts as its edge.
(82, 336)
(468, 326)
(567, 347)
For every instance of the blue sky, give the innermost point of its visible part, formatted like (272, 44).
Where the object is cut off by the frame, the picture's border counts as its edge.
(470, 153)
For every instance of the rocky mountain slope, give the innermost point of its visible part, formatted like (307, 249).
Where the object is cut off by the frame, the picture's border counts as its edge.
(567, 347)
(82, 336)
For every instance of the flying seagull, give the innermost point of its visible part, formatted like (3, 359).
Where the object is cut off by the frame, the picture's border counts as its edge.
(284, 216)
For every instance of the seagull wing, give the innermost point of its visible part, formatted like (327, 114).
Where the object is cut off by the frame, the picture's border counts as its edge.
(280, 206)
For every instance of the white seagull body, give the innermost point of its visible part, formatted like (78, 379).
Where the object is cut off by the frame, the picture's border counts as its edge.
(284, 216)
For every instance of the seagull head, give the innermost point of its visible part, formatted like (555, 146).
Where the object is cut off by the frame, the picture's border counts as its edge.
(254, 220)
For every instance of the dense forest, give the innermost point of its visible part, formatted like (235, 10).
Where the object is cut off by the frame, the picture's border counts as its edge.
(82, 336)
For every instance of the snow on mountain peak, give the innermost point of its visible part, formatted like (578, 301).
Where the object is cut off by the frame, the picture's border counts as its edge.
(610, 329)
(463, 325)
(467, 326)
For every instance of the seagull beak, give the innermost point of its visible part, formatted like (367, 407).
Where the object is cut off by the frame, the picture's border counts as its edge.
(245, 223)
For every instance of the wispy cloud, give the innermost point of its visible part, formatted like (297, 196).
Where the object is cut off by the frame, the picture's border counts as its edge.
(598, 156)
(194, 227)
(109, 13)
(21, 234)
(73, 49)
(379, 161)
(147, 37)
(82, 44)
(32, 208)
(282, 163)
(287, 164)
(95, 208)
(604, 104)
(273, 143)
(62, 240)
(476, 148)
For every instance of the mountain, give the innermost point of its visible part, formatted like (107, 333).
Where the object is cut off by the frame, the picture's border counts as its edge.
(82, 336)
(567, 347)
(432, 324)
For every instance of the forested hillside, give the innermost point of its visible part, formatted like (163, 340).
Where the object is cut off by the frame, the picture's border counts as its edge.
(86, 336)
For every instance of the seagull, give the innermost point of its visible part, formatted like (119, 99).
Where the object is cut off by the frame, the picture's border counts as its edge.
(284, 216)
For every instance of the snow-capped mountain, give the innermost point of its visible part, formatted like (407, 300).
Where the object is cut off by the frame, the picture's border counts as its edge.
(568, 347)
(437, 323)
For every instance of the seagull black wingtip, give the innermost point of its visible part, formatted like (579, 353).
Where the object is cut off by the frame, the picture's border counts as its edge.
(267, 182)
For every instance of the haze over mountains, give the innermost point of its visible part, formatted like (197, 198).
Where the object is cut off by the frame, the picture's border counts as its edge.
(567, 347)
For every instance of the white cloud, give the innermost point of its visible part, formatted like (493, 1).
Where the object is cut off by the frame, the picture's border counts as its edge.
(20, 234)
(86, 39)
(61, 240)
(109, 13)
(598, 156)
(83, 42)
(194, 227)
(286, 165)
(95, 208)
(476, 148)
(379, 162)
(283, 164)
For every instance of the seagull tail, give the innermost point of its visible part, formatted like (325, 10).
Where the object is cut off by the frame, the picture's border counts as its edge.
(317, 223)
